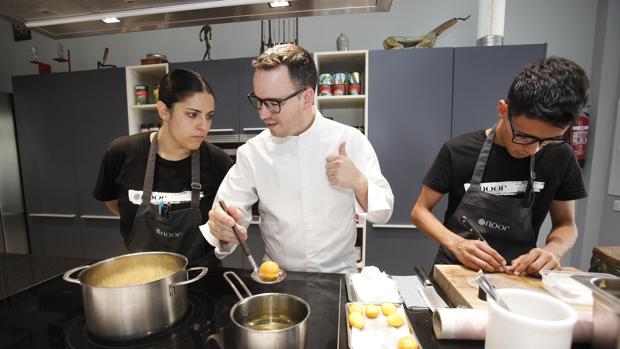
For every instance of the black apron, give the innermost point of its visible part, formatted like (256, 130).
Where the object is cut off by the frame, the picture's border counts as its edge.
(505, 222)
(175, 230)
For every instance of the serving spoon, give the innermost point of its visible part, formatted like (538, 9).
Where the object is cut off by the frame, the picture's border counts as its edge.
(255, 274)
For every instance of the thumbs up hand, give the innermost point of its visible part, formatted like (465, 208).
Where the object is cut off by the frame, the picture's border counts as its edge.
(341, 171)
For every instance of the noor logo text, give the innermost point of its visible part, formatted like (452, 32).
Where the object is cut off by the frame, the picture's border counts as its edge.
(493, 225)
(167, 234)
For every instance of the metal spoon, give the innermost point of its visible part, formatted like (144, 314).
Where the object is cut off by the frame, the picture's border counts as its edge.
(255, 274)
(243, 244)
(489, 289)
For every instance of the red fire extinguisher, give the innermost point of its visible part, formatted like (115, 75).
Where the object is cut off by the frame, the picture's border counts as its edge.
(577, 136)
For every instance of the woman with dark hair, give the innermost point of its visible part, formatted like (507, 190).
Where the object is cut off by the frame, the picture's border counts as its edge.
(162, 184)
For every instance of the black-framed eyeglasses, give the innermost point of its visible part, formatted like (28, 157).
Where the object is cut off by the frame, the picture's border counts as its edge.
(525, 139)
(274, 105)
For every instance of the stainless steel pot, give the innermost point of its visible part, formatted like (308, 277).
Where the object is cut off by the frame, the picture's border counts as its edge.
(267, 320)
(136, 308)
(605, 310)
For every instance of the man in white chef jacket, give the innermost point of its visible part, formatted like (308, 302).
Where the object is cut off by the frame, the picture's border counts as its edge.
(309, 174)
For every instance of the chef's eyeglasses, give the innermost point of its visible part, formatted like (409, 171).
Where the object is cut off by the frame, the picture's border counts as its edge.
(274, 105)
(525, 139)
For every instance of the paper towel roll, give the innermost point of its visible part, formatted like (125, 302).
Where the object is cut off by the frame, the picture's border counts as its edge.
(471, 324)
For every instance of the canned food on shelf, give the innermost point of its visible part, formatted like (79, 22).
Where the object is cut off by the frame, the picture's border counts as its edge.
(355, 89)
(338, 90)
(340, 78)
(142, 94)
(325, 90)
(325, 79)
(155, 93)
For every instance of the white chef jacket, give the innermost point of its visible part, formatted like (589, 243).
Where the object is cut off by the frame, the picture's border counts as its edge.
(307, 224)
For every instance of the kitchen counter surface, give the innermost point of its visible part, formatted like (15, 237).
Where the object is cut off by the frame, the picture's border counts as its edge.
(45, 315)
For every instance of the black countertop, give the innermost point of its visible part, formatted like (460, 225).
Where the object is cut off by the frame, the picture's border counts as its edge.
(20, 271)
(45, 315)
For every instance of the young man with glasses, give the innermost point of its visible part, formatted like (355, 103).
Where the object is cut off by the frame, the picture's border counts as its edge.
(502, 182)
(309, 174)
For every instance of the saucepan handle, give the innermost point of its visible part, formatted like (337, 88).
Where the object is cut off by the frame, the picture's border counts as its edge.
(230, 282)
(67, 275)
(203, 272)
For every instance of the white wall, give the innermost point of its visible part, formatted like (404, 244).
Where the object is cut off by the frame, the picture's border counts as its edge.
(568, 26)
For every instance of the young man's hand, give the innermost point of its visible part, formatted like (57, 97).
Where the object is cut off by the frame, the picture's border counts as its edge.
(478, 255)
(534, 261)
(341, 171)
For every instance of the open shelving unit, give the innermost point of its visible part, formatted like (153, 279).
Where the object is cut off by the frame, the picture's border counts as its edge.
(149, 75)
(351, 110)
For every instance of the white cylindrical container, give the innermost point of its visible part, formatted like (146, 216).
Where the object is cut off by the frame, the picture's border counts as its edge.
(491, 14)
(535, 320)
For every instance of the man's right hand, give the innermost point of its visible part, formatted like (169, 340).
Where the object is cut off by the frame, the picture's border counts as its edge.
(478, 255)
(220, 224)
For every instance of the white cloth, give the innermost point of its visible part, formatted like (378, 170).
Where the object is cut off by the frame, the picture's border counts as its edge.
(307, 224)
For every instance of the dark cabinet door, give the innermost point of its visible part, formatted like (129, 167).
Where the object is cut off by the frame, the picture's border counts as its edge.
(45, 140)
(409, 110)
(99, 110)
(222, 76)
(482, 76)
(249, 121)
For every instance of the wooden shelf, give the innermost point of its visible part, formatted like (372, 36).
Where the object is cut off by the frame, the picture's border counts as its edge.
(342, 101)
(144, 107)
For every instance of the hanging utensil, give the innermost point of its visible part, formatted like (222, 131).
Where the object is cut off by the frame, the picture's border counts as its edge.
(489, 289)
(269, 42)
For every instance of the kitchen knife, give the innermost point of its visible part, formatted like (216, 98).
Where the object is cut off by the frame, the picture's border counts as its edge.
(428, 292)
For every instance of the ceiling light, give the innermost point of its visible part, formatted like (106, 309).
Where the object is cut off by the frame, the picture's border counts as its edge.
(110, 20)
(279, 3)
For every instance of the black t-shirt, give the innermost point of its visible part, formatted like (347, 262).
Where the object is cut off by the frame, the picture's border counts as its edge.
(558, 176)
(123, 167)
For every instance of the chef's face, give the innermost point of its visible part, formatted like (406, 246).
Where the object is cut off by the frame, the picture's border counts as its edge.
(295, 115)
(524, 129)
(189, 120)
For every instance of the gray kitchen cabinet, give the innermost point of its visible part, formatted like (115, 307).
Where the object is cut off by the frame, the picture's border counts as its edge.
(222, 76)
(250, 123)
(44, 136)
(409, 115)
(482, 76)
(99, 116)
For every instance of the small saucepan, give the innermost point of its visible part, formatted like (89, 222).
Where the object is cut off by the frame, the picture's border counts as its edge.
(267, 320)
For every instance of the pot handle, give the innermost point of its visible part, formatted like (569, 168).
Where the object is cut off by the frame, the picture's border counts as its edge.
(67, 275)
(230, 282)
(203, 272)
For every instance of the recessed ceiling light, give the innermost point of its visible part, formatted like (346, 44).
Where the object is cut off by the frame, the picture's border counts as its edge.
(110, 20)
(279, 3)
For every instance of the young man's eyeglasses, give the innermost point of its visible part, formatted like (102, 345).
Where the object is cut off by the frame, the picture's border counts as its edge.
(525, 139)
(274, 105)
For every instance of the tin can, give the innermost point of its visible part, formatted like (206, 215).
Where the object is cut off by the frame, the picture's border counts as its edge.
(326, 79)
(142, 94)
(340, 78)
(354, 89)
(155, 93)
(325, 90)
(339, 90)
(353, 78)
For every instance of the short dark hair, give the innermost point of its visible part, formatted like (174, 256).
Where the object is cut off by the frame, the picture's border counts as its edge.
(298, 61)
(180, 84)
(554, 90)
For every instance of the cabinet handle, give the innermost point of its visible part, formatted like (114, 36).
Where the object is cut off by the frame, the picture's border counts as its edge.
(395, 226)
(51, 215)
(254, 129)
(220, 130)
(90, 216)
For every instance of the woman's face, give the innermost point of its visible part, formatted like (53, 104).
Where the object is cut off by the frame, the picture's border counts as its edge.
(189, 120)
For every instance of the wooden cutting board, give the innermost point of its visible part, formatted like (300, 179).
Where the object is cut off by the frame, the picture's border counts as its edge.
(455, 280)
